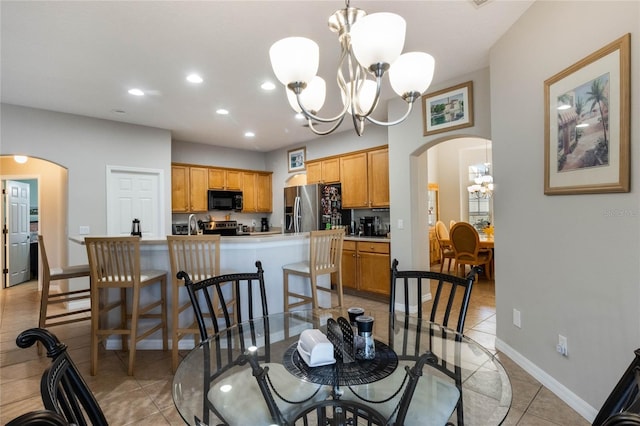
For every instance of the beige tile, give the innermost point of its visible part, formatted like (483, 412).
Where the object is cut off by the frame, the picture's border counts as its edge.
(549, 407)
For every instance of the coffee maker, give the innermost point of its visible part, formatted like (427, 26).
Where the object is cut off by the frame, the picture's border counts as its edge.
(264, 224)
(367, 224)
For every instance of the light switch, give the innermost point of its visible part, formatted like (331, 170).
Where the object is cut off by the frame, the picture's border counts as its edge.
(84, 230)
(400, 224)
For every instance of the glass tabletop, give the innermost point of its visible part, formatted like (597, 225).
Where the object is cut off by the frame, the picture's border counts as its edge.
(252, 374)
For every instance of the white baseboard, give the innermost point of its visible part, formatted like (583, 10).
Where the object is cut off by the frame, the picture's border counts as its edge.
(413, 309)
(561, 391)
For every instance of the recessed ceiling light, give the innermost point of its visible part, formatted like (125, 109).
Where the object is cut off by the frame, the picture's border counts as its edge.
(299, 116)
(194, 78)
(267, 85)
(249, 134)
(136, 92)
(222, 111)
(20, 159)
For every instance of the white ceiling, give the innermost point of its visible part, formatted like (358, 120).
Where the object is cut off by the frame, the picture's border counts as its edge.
(81, 57)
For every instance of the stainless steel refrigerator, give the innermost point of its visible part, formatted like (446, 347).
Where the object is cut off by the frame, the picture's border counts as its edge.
(311, 207)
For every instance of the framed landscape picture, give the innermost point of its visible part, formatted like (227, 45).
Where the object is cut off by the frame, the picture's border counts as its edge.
(296, 158)
(448, 109)
(587, 124)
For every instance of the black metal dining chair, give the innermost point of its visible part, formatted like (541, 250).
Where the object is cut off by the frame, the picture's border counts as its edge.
(39, 418)
(623, 399)
(62, 387)
(253, 330)
(410, 397)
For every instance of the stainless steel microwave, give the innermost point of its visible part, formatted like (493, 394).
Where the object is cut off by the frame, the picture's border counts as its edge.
(224, 200)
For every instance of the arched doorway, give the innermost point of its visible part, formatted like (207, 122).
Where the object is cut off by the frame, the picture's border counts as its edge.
(52, 201)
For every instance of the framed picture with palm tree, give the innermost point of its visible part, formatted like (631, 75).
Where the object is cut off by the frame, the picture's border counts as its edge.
(587, 127)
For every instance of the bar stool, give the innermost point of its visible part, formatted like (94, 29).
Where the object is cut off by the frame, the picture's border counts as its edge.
(115, 264)
(325, 257)
(199, 256)
(82, 295)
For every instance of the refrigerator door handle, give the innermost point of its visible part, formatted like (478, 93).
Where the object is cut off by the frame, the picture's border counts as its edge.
(296, 215)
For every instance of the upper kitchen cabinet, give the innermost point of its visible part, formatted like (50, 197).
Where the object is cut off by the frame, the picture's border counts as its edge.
(256, 192)
(365, 179)
(323, 171)
(189, 188)
(225, 179)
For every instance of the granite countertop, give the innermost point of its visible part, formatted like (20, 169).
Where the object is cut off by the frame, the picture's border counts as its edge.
(379, 238)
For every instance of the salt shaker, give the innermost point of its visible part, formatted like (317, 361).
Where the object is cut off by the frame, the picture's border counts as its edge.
(365, 331)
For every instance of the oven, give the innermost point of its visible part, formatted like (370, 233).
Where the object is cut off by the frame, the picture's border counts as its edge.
(223, 227)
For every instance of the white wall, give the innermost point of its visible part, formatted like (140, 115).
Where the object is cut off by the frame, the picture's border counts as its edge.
(85, 146)
(565, 263)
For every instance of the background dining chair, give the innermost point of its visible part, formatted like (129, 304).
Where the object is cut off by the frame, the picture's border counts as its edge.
(466, 246)
(62, 388)
(295, 393)
(451, 223)
(623, 399)
(48, 298)
(438, 391)
(199, 256)
(446, 251)
(115, 264)
(325, 257)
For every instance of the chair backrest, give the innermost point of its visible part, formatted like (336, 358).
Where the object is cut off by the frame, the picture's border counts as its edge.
(325, 251)
(46, 269)
(198, 255)
(243, 284)
(442, 233)
(624, 398)
(452, 294)
(451, 223)
(39, 418)
(62, 388)
(114, 261)
(465, 241)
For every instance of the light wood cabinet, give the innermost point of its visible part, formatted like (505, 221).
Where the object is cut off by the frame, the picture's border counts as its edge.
(365, 179)
(256, 192)
(225, 179)
(189, 189)
(366, 266)
(323, 171)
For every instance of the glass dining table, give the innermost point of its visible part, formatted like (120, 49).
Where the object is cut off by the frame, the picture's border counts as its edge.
(422, 373)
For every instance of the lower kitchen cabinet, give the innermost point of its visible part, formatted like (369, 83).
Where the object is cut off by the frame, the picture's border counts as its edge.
(366, 266)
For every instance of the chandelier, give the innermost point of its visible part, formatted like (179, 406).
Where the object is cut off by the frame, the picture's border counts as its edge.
(483, 181)
(370, 45)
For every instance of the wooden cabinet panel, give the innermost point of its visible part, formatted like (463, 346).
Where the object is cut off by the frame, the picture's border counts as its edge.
(248, 192)
(179, 186)
(366, 266)
(375, 272)
(198, 186)
(314, 172)
(331, 170)
(225, 179)
(378, 178)
(263, 193)
(353, 172)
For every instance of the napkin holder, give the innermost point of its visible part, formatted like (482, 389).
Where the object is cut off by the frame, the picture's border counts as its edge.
(315, 349)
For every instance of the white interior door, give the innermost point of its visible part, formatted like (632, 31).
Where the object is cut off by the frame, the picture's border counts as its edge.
(134, 194)
(17, 225)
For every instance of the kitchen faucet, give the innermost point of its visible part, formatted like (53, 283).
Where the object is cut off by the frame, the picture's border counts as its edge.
(192, 218)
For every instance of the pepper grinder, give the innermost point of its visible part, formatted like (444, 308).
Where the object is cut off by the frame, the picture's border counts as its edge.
(135, 228)
(365, 331)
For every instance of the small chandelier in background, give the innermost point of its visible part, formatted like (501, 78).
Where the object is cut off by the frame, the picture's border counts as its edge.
(371, 45)
(483, 181)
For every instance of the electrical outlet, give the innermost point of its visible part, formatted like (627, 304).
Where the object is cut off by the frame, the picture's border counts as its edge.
(400, 224)
(516, 318)
(84, 230)
(561, 347)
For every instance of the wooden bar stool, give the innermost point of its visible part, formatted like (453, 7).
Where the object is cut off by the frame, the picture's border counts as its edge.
(115, 264)
(325, 257)
(198, 256)
(47, 297)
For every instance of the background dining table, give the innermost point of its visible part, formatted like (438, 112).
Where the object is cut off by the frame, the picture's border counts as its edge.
(212, 378)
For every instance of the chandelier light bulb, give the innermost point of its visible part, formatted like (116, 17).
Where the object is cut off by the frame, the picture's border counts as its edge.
(312, 97)
(412, 72)
(365, 97)
(378, 38)
(295, 59)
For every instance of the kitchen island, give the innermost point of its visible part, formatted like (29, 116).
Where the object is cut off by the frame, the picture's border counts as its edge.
(237, 254)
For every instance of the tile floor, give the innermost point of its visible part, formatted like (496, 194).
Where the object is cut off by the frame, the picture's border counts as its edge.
(145, 399)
